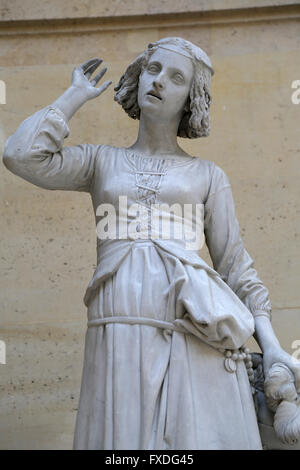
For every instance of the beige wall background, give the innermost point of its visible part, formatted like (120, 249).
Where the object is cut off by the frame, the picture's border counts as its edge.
(48, 238)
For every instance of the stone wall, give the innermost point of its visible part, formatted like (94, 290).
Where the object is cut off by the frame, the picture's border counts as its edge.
(48, 238)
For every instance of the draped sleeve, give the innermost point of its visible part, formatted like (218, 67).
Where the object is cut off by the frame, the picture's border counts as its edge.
(36, 153)
(230, 258)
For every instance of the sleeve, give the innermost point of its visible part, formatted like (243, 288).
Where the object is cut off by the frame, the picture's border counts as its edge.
(230, 258)
(35, 153)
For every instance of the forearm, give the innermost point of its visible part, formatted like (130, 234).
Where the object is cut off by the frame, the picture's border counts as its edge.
(272, 351)
(264, 334)
(70, 101)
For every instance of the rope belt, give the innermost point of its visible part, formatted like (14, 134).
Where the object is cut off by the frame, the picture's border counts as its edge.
(135, 320)
(231, 357)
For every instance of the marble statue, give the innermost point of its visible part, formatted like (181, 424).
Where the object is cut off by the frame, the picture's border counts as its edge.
(277, 405)
(165, 365)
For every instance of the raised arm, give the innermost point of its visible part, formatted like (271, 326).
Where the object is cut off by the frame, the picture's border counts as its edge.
(82, 89)
(35, 152)
(234, 264)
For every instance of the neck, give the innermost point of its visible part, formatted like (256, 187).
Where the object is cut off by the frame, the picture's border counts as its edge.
(156, 137)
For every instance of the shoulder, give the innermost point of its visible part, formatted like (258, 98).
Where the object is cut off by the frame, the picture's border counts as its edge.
(108, 149)
(216, 177)
(105, 151)
(219, 177)
(202, 166)
(214, 172)
(107, 158)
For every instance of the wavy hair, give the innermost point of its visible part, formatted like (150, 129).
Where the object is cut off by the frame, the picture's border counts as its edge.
(195, 119)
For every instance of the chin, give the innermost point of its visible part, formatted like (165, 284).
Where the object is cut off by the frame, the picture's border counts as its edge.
(151, 109)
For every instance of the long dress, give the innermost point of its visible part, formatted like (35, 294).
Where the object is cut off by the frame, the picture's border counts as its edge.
(159, 318)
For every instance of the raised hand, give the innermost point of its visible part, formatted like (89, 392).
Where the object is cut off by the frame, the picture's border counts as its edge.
(81, 79)
(82, 88)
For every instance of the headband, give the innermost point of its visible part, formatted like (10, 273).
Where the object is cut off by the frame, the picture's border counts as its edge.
(196, 52)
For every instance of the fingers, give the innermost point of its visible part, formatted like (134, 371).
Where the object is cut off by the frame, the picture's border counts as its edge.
(98, 77)
(89, 63)
(87, 68)
(91, 68)
(103, 87)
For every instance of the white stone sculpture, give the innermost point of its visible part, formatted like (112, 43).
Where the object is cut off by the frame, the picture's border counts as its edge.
(277, 405)
(283, 399)
(164, 364)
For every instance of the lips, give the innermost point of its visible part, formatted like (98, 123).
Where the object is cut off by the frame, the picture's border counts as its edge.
(155, 94)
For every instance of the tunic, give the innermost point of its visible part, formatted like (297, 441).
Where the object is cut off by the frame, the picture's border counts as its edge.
(153, 374)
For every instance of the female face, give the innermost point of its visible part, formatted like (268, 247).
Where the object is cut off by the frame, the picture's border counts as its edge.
(164, 85)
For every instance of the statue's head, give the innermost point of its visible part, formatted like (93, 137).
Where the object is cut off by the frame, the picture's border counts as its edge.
(195, 116)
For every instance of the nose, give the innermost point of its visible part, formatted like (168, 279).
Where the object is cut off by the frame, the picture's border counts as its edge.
(159, 81)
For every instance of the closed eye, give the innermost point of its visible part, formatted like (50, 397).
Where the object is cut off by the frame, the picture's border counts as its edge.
(178, 77)
(154, 68)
